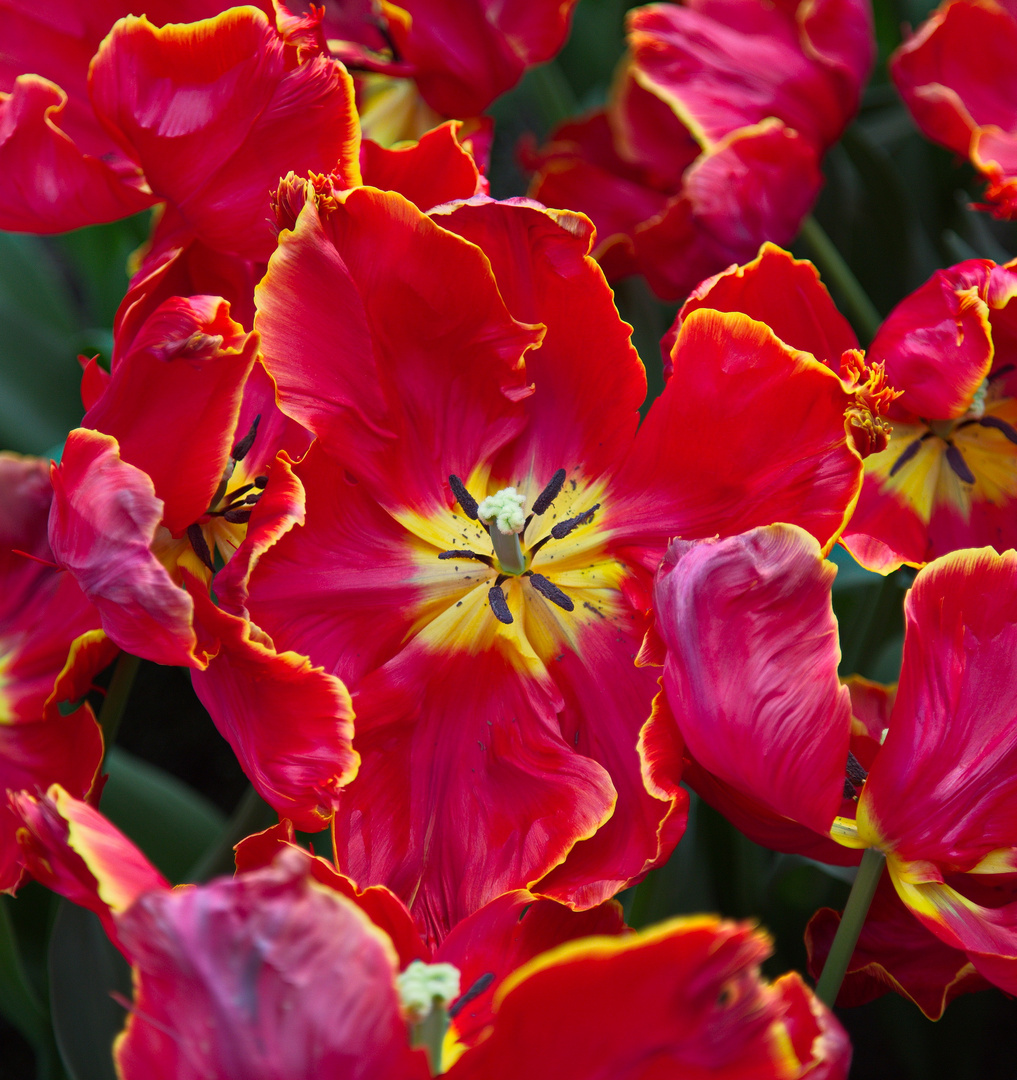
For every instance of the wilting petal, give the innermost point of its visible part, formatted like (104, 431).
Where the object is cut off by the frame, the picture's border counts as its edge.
(103, 523)
(426, 378)
(682, 999)
(467, 788)
(289, 723)
(942, 787)
(781, 291)
(46, 183)
(706, 460)
(268, 974)
(894, 953)
(744, 620)
(73, 850)
(216, 111)
(506, 934)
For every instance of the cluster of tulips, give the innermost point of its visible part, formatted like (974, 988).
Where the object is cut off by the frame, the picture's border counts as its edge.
(368, 460)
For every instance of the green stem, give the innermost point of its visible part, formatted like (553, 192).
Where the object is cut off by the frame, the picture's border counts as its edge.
(835, 270)
(117, 694)
(864, 888)
(430, 1033)
(554, 95)
(252, 814)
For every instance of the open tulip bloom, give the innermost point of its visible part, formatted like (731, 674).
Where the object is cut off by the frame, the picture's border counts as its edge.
(925, 776)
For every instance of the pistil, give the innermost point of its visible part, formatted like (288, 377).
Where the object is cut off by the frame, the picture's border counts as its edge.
(503, 513)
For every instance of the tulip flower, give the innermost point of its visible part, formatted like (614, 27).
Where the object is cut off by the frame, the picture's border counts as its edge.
(751, 683)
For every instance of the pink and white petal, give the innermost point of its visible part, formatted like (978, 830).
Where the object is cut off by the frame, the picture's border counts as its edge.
(227, 980)
(743, 619)
(466, 788)
(103, 523)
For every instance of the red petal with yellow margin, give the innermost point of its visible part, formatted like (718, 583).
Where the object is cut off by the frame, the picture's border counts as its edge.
(79, 189)
(943, 785)
(588, 380)
(683, 999)
(803, 63)
(894, 953)
(504, 935)
(467, 788)
(216, 111)
(747, 432)
(465, 54)
(742, 619)
(956, 76)
(173, 401)
(229, 978)
(781, 291)
(104, 520)
(434, 170)
(289, 723)
(73, 850)
(403, 378)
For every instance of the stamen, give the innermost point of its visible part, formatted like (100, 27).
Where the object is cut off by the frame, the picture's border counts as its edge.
(463, 497)
(999, 425)
(906, 455)
(237, 516)
(200, 546)
(261, 482)
(462, 553)
(551, 591)
(543, 501)
(499, 605)
(854, 770)
(563, 528)
(956, 461)
(474, 991)
(243, 448)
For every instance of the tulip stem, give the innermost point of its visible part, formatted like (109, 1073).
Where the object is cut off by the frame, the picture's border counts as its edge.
(117, 693)
(860, 308)
(851, 921)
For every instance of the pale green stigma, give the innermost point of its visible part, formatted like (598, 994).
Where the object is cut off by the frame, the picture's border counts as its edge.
(422, 986)
(503, 513)
(977, 407)
(505, 509)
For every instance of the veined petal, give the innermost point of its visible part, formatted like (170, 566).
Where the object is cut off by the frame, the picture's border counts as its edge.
(693, 1006)
(228, 979)
(942, 787)
(467, 788)
(748, 431)
(102, 526)
(289, 723)
(751, 671)
(173, 401)
(216, 111)
(781, 291)
(588, 380)
(47, 184)
(404, 379)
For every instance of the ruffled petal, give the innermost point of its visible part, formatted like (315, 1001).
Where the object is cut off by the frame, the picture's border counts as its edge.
(942, 787)
(743, 618)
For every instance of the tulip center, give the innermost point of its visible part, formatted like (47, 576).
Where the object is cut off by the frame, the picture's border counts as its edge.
(503, 517)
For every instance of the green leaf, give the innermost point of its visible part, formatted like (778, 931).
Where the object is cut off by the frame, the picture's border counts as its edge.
(18, 1001)
(171, 823)
(85, 970)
